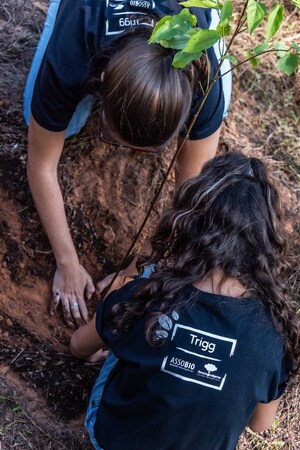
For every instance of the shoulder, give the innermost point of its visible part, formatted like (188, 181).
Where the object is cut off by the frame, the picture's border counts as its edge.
(127, 291)
(104, 309)
(75, 31)
(59, 83)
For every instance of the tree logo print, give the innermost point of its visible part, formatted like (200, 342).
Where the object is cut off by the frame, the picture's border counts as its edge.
(210, 368)
(119, 5)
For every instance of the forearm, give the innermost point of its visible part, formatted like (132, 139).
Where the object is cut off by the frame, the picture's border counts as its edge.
(85, 342)
(49, 203)
(44, 151)
(193, 155)
(71, 282)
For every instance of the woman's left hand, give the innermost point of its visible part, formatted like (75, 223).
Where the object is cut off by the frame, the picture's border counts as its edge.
(100, 355)
(104, 287)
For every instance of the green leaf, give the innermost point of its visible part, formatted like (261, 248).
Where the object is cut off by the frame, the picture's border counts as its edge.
(201, 4)
(224, 28)
(296, 47)
(226, 11)
(162, 26)
(231, 58)
(280, 49)
(256, 12)
(296, 3)
(274, 20)
(288, 64)
(226, 14)
(181, 59)
(261, 48)
(253, 61)
(178, 42)
(202, 40)
(174, 31)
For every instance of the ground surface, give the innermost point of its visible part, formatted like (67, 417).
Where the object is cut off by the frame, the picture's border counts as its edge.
(43, 390)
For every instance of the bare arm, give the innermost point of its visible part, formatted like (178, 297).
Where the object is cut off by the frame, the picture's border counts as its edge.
(194, 154)
(86, 343)
(70, 280)
(263, 416)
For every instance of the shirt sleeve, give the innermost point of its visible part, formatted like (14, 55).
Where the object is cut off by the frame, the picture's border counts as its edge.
(103, 313)
(53, 103)
(210, 117)
(58, 86)
(283, 378)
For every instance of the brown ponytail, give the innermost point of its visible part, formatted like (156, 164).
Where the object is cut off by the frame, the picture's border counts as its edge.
(145, 100)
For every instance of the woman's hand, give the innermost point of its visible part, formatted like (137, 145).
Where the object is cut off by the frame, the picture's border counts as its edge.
(104, 287)
(100, 355)
(70, 286)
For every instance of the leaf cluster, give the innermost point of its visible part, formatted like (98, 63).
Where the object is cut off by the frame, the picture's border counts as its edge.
(180, 32)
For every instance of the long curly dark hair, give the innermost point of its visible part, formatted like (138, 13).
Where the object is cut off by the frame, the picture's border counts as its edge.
(227, 218)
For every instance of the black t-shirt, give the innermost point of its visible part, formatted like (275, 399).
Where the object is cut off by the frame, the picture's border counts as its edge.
(221, 357)
(81, 29)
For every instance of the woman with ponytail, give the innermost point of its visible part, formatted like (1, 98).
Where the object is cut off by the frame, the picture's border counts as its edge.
(99, 49)
(206, 345)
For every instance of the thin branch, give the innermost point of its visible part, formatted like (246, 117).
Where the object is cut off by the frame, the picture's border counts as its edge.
(243, 30)
(253, 57)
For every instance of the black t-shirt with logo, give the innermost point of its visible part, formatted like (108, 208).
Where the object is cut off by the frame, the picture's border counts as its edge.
(82, 28)
(221, 356)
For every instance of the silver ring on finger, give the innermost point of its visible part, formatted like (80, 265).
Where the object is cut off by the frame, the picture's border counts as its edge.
(74, 305)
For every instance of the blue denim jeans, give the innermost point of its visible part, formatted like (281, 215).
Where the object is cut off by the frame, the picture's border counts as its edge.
(84, 108)
(96, 396)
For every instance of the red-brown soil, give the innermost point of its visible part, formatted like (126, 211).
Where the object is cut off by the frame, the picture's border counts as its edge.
(107, 192)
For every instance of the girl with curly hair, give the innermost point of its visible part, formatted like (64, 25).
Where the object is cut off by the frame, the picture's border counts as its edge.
(206, 345)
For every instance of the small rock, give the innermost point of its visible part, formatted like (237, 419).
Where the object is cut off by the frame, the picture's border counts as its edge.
(9, 323)
(109, 236)
(6, 334)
